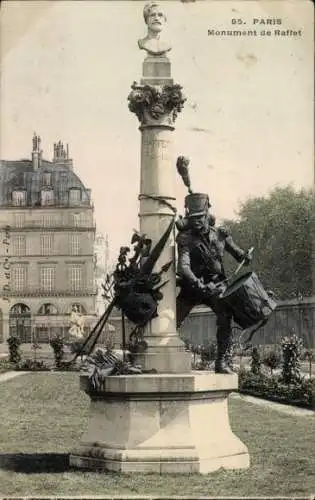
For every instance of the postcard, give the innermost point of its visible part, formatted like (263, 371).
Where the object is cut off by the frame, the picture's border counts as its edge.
(157, 196)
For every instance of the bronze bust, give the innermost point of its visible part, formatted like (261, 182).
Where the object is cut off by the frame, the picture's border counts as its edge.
(155, 19)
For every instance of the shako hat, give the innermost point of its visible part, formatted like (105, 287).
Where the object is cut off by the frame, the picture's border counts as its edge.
(197, 204)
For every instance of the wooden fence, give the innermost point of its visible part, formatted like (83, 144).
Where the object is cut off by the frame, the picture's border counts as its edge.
(290, 317)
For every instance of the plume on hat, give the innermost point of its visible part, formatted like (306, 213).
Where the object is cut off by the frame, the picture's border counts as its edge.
(182, 164)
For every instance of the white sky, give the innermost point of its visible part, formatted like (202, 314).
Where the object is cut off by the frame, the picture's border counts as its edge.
(67, 68)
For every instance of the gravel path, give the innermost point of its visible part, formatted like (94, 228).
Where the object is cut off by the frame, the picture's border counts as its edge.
(8, 375)
(288, 409)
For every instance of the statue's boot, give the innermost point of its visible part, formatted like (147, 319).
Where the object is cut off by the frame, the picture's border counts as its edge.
(222, 362)
(221, 366)
(224, 337)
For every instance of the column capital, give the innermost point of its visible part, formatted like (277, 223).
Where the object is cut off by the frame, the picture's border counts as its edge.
(156, 105)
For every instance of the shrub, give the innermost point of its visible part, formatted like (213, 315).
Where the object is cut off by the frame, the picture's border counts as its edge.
(14, 349)
(68, 367)
(76, 346)
(255, 362)
(271, 360)
(32, 365)
(6, 365)
(273, 388)
(229, 356)
(309, 356)
(311, 384)
(291, 352)
(58, 346)
(206, 355)
(35, 347)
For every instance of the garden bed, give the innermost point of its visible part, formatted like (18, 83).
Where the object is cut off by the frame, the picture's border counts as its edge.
(300, 394)
(6, 366)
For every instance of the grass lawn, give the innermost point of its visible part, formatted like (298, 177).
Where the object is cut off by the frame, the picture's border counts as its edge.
(43, 416)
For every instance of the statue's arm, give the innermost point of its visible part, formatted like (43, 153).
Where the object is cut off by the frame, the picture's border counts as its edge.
(184, 264)
(231, 247)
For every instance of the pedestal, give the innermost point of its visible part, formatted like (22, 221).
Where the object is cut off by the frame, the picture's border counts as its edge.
(160, 423)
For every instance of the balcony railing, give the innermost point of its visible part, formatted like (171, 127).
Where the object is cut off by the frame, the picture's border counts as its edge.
(37, 226)
(40, 292)
(53, 253)
(57, 204)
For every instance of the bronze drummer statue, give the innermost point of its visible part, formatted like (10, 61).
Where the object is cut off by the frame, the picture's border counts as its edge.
(201, 247)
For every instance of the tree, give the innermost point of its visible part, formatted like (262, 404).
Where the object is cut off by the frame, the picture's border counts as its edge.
(281, 228)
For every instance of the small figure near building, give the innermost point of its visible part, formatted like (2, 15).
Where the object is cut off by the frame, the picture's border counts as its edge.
(77, 323)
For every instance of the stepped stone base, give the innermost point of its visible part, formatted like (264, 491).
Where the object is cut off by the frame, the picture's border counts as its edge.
(162, 423)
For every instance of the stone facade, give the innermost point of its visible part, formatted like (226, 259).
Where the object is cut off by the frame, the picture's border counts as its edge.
(47, 235)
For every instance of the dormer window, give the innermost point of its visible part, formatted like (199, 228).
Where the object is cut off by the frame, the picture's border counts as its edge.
(19, 198)
(47, 197)
(74, 196)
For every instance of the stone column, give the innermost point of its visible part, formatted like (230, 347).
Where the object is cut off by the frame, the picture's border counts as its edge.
(156, 102)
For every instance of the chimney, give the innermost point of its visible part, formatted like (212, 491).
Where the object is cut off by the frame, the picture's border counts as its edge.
(36, 152)
(61, 156)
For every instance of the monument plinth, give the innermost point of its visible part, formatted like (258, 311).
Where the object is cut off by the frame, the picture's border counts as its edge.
(161, 423)
(174, 420)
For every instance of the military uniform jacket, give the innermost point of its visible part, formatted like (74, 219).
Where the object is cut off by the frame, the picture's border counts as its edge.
(201, 255)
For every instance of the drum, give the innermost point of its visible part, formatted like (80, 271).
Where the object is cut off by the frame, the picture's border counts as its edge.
(249, 301)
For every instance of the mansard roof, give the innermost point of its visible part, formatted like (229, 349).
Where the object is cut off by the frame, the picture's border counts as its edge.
(21, 175)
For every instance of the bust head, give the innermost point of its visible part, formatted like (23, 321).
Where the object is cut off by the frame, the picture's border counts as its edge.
(155, 17)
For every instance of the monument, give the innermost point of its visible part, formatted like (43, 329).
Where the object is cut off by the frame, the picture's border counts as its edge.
(168, 418)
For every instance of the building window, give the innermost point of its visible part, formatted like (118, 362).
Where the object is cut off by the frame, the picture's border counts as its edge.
(74, 244)
(19, 220)
(47, 279)
(47, 309)
(78, 308)
(74, 196)
(20, 322)
(20, 309)
(19, 246)
(19, 198)
(18, 277)
(47, 178)
(75, 278)
(47, 197)
(47, 220)
(46, 244)
(75, 219)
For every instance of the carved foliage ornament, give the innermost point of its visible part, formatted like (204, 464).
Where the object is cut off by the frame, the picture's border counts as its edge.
(158, 101)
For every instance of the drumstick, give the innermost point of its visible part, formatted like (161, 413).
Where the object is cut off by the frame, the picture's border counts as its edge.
(239, 267)
(237, 270)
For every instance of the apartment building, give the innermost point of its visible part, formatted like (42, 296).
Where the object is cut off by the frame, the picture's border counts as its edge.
(47, 246)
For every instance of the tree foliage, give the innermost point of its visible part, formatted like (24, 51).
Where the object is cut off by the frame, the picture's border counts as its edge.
(281, 228)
